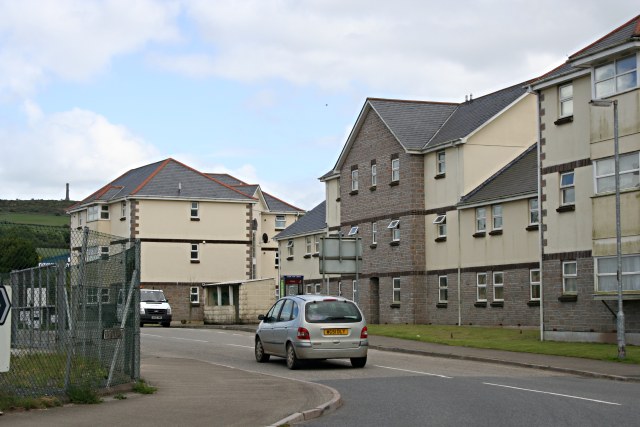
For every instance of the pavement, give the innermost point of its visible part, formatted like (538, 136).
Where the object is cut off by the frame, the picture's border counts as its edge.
(192, 392)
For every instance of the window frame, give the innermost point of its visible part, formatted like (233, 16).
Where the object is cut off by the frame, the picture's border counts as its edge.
(567, 187)
(598, 274)
(633, 172)
(395, 170)
(353, 231)
(196, 294)
(354, 289)
(496, 216)
(444, 288)
(481, 220)
(290, 246)
(374, 233)
(339, 288)
(498, 285)
(613, 77)
(374, 175)
(441, 162)
(105, 212)
(396, 286)
(280, 222)
(307, 245)
(93, 213)
(481, 287)
(569, 277)
(195, 252)
(123, 209)
(565, 100)
(394, 225)
(534, 211)
(535, 284)
(316, 243)
(354, 180)
(195, 209)
(441, 225)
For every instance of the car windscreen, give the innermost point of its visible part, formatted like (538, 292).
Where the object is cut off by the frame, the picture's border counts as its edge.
(151, 296)
(332, 311)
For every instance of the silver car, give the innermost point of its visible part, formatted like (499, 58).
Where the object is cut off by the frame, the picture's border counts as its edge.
(312, 327)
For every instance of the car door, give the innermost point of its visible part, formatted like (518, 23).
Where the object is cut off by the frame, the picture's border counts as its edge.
(267, 328)
(283, 326)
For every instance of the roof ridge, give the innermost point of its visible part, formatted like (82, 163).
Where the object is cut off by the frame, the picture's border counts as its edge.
(229, 175)
(609, 34)
(441, 126)
(154, 173)
(282, 201)
(413, 101)
(211, 178)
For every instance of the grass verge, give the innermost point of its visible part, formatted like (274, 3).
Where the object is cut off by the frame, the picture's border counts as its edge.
(143, 388)
(520, 340)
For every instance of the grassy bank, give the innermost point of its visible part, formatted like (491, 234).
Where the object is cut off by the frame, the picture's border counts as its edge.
(503, 339)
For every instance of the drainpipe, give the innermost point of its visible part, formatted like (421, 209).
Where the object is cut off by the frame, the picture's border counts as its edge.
(459, 238)
(540, 218)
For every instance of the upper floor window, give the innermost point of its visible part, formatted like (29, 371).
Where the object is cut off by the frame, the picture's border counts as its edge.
(374, 233)
(277, 260)
(281, 222)
(496, 213)
(92, 213)
(615, 77)
(374, 175)
(565, 95)
(533, 211)
(290, 248)
(569, 277)
(317, 243)
(481, 219)
(441, 222)
(395, 230)
(354, 180)
(606, 274)
(308, 245)
(534, 284)
(104, 212)
(629, 173)
(441, 166)
(395, 169)
(195, 207)
(567, 189)
(123, 209)
(194, 252)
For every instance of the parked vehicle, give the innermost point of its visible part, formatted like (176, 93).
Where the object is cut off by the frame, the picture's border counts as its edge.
(154, 308)
(300, 327)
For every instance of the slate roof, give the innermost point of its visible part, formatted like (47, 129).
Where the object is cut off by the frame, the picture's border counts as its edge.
(313, 221)
(164, 179)
(273, 203)
(518, 178)
(226, 179)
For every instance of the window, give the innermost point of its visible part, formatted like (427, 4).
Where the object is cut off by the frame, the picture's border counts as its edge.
(534, 284)
(374, 233)
(569, 277)
(443, 286)
(194, 252)
(317, 243)
(94, 293)
(565, 94)
(194, 209)
(104, 212)
(354, 180)
(308, 245)
(104, 252)
(441, 222)
(280, 222)
(290, 248)
(354, 288)
(309, 289)
(496, 214)
(395, 170)
(318, 288)
(277, 260)
(396, 290)
(629, 173)
(92, 213)
(481, 284)
(353, 231)
(395, 230)
(606, 272)
(567, 189)
(533, 211)
(441, 166)
(615, 77)
(498, 286)
(481, 219)
(194, 295)
(287, 311)
(339, 289)
(374, 175)
(123, 207)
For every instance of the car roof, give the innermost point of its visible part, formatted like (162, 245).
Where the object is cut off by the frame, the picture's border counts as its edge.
(309, 298)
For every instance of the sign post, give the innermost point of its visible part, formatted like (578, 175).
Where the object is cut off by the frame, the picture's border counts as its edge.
(5, 328)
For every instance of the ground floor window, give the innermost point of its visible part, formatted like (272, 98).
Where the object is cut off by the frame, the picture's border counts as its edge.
(481, 285)
(443, 286)
(498, 286)
(534, 284)
(606, 273)
(194, 295)
(396, 290)
(569, 277)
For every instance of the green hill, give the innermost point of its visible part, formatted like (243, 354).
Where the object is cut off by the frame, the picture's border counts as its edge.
(40, 212)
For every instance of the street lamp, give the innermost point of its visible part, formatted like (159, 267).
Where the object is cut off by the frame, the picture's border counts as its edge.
(620, 316)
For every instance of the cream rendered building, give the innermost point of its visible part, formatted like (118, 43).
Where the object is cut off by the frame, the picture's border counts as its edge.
(193, 228)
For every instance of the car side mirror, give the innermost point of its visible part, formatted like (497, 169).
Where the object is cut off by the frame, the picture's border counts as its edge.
(260, 316)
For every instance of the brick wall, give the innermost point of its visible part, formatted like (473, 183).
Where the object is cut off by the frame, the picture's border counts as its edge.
(179, 299)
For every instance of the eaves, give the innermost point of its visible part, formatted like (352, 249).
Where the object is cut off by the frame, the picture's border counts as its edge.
(493, 201)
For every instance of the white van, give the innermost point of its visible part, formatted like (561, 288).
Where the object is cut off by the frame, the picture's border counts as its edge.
(154, 308)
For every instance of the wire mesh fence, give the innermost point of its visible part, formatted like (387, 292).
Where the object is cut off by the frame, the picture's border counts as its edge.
(74, 318)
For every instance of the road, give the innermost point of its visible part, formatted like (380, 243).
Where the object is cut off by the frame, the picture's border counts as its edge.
(405, 390)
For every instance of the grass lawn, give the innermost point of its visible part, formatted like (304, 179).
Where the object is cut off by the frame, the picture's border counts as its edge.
(522, 340)
(39, 219)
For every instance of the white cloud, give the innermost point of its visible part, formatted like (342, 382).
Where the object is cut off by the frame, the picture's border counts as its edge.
(78, 147)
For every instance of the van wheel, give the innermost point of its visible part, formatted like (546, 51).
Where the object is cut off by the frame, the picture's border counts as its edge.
(261, 356)
(358, 362)
(166, 324)
(141, 324)
(292, 360)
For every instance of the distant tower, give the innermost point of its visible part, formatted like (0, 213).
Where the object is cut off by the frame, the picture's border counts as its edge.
(67, 198)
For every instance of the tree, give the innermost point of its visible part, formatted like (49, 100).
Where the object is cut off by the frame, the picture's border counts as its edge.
(16, 254)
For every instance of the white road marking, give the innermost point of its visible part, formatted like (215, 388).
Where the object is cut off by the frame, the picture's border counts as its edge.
(172, 338)
(555, 394)
(243, 346)
(413, 372)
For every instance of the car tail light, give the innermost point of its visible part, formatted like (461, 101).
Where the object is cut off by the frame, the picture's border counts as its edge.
(303, 334)
(364, 334)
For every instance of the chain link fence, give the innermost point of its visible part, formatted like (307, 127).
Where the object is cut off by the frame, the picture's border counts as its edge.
(74, 317)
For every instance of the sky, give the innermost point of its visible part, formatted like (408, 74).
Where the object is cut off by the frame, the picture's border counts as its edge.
(265, 90)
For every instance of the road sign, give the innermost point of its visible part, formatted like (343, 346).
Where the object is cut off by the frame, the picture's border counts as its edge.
(5, 328)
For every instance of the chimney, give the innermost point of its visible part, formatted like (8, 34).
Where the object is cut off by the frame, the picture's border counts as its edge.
(67, 197)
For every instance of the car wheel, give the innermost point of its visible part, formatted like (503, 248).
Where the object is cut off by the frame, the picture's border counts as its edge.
(166, 324)
(261, 356)
(292, 360)
(141, 324)
(358, 362)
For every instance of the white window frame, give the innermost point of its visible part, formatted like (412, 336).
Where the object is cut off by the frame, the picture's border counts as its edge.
(93, 213)
(496, 217)
(105, 212)
(614, 77)
(354, 180)
(93, 295)
(481, 220)
(395, 170)
(280, 222)
(630, 275)
(441, 165)
(339, 288)
(565, 188)
(104, 252)
(374, 233)
(290, 248)
(443, 286)
(374, 175)
(123, 209)
(498, 283)
(354, 289)
(308, 289)
(316, 241)
(307, 241)
(481, 287)
(353, 231)
(195, 252)
(534, 284)
(441, 223)
(396, 283)
(633, 171)
(565, 100)
(194, 291)
(533, 212)
(277, 259)
(569, 278)
(318, 288)
(394, 225)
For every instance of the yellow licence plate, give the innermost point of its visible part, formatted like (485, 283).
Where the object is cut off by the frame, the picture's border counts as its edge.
(336, 331)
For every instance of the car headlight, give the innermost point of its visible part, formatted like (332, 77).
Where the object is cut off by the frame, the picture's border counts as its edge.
(169, 310)
(141, 310)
